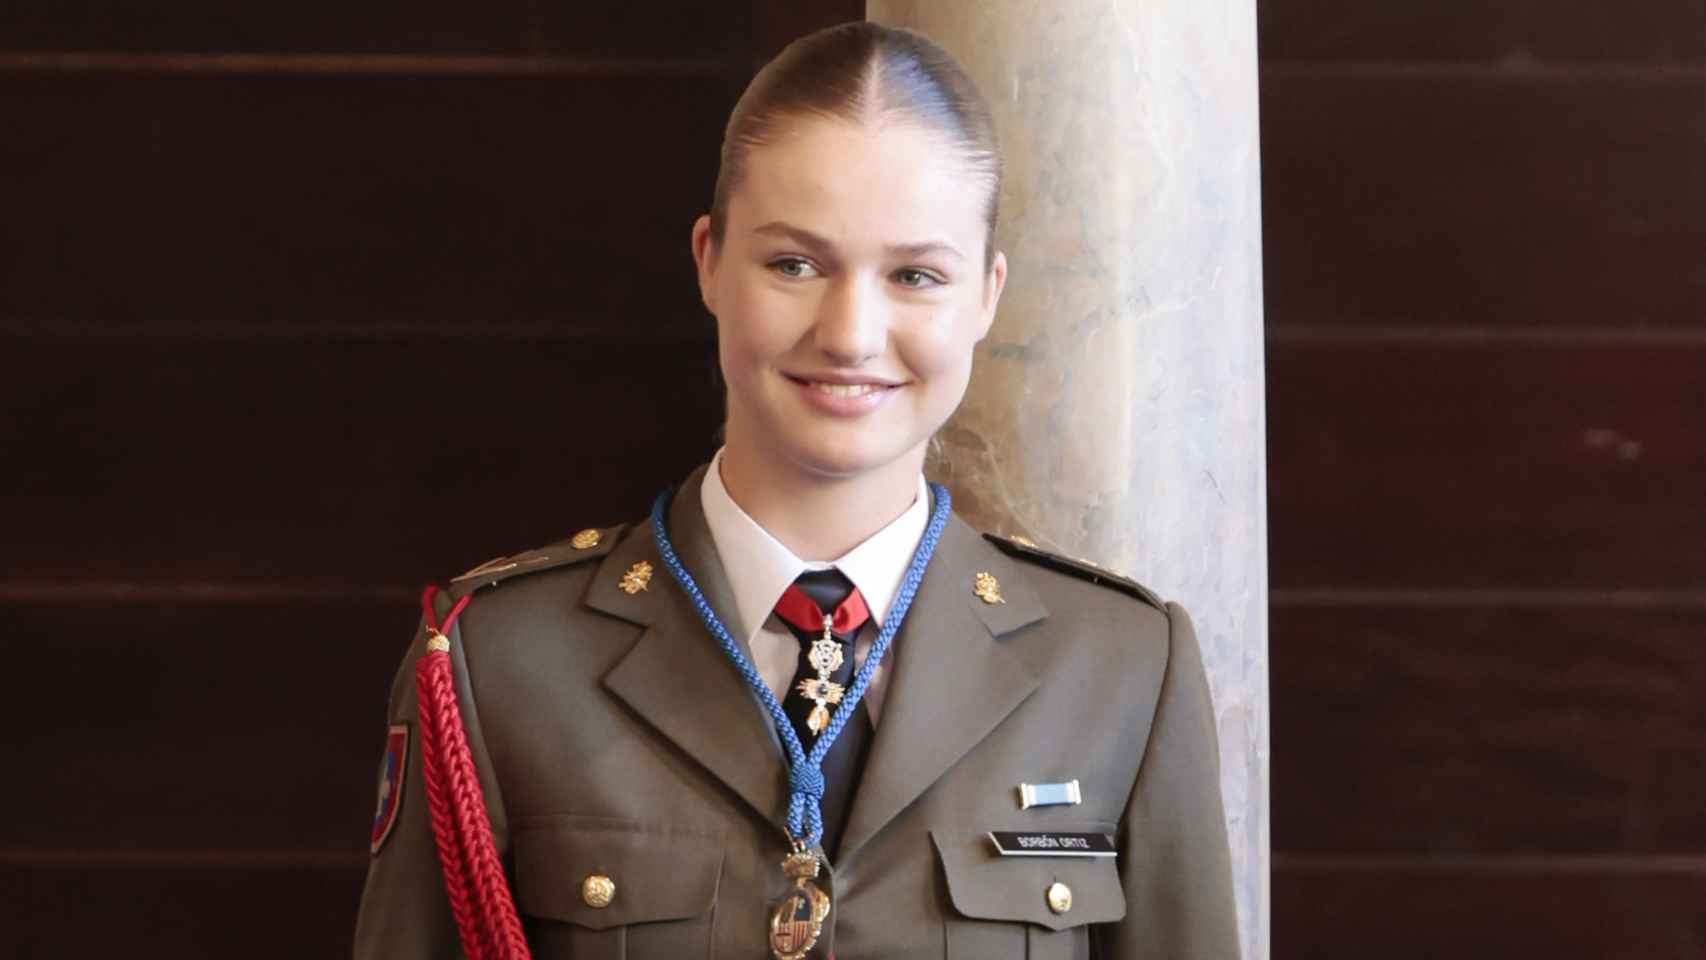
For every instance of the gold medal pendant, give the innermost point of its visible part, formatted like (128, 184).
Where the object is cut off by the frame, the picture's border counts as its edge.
(796, 923)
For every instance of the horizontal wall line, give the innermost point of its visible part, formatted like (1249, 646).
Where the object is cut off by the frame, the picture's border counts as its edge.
(358, 64)
(693, 332)
(1567, 598)
(73, 592)
(1514, 67)
(687, 333)
(1332, 334)
(266, 859)
(1542, 864)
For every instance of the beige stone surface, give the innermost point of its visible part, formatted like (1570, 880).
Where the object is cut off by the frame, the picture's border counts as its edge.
(1116, 410)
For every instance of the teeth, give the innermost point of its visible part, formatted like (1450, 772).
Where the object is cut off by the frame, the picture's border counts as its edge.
(845, 389)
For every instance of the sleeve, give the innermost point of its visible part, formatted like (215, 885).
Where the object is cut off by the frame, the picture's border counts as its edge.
(1175, 863)
(405, 912)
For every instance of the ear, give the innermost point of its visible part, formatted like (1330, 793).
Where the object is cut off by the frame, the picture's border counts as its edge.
(993, 283)
(705, 262)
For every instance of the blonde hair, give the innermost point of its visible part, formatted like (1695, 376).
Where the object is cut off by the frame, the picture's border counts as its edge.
(859, 72)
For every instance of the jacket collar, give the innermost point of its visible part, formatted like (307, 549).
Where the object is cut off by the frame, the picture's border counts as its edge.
(953, 680)
(675, 676)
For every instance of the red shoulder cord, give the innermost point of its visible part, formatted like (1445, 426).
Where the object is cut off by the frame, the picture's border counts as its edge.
(479, 896)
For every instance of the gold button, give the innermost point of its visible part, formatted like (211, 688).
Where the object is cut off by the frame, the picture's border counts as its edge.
(586, 539)
(598, 890)
(1059, 897)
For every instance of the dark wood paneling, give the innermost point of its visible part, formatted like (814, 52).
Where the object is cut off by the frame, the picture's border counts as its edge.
(778, 23)
(1425, 914)
(174, 724)
(651, 28)
(1505, 465)
(1456, 199)
(1493, 730)
(1511, 31)
(259, 203)
(338, 463)
(187, 912)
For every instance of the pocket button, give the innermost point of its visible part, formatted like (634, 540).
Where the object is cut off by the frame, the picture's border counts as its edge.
(1059, 897)
(598, 890)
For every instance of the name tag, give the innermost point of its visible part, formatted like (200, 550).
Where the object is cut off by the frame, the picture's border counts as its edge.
(1009, 843)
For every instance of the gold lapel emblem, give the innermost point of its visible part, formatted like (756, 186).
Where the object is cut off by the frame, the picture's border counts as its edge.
(586, 539)
(637, 578)
(987, 588)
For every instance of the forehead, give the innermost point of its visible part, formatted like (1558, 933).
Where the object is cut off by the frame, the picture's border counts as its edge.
(889, 182)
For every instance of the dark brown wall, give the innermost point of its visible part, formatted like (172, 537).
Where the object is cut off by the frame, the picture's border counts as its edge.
(302, 306)
(1485, 246)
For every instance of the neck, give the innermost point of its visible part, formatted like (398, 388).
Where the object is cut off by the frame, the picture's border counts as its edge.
(819, 518)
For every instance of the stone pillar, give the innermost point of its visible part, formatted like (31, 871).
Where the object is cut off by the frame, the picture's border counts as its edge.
(1115, 411)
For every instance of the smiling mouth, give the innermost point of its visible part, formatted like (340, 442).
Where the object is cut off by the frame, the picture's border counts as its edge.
(843, 389)
(846, 389)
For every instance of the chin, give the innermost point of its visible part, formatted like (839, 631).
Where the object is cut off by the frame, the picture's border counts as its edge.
(846, 461)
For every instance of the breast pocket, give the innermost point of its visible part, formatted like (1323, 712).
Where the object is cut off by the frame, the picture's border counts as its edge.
(609, 889)
(1035, 907)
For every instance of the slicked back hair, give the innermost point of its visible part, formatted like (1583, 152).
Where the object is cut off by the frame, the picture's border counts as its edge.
(862, 73)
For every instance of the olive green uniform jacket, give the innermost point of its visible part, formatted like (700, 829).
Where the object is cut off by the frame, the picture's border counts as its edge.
(613, 737)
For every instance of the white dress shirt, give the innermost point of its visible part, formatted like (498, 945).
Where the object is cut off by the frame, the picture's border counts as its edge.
(760, 569)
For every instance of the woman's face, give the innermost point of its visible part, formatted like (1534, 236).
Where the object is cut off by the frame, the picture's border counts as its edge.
(849, 290)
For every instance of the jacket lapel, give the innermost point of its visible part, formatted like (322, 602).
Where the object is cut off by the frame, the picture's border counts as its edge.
(953, 679)
(676, 677)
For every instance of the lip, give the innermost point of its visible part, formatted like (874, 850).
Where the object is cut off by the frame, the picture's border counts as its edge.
(840, 405)
(845, 379)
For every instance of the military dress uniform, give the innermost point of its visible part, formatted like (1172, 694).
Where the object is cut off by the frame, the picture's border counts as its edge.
(637, 791)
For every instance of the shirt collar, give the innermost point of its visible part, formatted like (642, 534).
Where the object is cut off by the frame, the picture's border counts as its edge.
(765, 567)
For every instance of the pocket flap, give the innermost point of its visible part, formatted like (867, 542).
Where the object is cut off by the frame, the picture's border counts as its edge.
(986, 886)
(659, 872)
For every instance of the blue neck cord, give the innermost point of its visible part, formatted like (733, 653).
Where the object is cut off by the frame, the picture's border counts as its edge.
(805, 771)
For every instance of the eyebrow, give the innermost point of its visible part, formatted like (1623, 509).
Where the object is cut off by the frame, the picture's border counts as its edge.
(823, 248)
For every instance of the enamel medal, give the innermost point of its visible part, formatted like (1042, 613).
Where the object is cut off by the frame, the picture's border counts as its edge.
(825, 658)
(796, 922)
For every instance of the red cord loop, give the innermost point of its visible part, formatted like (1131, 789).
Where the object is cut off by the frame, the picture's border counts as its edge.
(431, 615)
(486, 918)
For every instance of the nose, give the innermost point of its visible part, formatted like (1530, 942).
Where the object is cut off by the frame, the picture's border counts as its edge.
(852, 322)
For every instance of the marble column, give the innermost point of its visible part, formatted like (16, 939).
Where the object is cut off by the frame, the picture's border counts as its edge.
(1115, 411)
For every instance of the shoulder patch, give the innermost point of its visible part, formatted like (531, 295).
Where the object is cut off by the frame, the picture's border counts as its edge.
(588, 544)
(1083, 569)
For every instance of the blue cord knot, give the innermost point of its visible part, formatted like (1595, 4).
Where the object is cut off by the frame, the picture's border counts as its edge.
(806, 779)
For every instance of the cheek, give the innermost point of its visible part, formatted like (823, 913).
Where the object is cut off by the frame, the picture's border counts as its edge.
(941, 346)
(752, 330)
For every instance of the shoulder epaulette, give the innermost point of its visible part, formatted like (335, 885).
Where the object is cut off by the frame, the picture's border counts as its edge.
(588, 544)
(1081, 568)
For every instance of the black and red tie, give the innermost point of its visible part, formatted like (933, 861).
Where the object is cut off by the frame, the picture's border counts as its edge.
(816, 594)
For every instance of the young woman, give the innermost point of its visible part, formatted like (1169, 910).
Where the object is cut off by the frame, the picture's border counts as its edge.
(803, 710)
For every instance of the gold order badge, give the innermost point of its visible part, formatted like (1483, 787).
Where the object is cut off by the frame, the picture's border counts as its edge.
(797, 921)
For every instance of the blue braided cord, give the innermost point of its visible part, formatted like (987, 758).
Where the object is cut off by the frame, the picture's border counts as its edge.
(805, 771)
